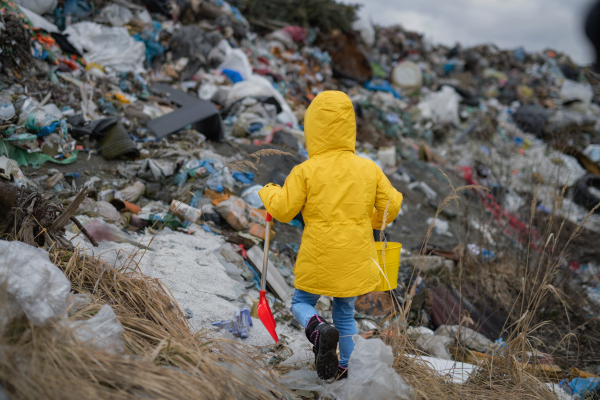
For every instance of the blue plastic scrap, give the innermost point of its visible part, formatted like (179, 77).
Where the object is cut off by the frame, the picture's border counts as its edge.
(382, 86)
(206, 228)
(239, 326)
(48, 129)
(245, 177)
(256, 278)
(581, 386)
(233, 75)
(296, 223)
(151, 40)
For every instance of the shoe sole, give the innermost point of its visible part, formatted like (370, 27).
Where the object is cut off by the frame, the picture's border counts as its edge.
(327, 360)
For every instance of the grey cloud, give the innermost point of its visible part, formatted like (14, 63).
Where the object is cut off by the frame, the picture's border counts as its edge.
(534, 24)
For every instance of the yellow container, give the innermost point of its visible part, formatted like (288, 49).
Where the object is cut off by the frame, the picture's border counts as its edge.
(392, 263)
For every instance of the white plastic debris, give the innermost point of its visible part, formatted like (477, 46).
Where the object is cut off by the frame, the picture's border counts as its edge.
(468, 337)
(258, 86)
(407, 75)
(251, 196)
(109, 46)
(572, 90)
(593, 152)
(237, 60)
(387, 156)
(560, 392)
(35, 286)
(440, 227)
(366, 30)
(102, 331)
(436, 346)
(7, 109)
(39, 7)
(38, 21)
(8, 167)
(429, 192)
(457, 372)
(115, 14)
(441, 105)
(370, 373)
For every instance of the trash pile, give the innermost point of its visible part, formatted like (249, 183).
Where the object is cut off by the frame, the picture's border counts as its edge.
(139, 132)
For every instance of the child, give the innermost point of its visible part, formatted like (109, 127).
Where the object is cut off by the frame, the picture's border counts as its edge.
(342, 198)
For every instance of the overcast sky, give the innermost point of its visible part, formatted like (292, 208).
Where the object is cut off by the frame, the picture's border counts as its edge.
(534, 24)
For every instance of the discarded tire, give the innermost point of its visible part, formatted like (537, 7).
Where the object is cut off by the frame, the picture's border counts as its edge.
(584, 192)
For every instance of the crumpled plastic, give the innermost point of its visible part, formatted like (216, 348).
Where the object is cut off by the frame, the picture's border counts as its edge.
(237, 61)
(107, 46)
(39, 7)
(35, 286)
(115, 14)
(251, 196)
(154, 171)
(442, 105)
(370, 373)
(238, 214)
(239, 326)
(436, 346)
(258, 86)
(102, 331)
(468, 337)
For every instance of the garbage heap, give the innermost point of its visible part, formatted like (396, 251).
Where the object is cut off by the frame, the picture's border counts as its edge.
(155, 123)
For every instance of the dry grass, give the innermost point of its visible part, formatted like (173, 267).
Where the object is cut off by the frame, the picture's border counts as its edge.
(162, 360)
(523, 288)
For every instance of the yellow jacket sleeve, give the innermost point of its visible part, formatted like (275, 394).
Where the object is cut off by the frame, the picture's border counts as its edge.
(386, 197)
(284, 203)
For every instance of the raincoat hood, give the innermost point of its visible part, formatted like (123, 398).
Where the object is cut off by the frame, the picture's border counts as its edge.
(330, 124)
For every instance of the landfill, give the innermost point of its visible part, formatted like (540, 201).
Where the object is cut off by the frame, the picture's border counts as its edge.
(136, 135)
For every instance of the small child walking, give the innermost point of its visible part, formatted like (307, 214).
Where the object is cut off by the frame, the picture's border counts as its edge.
(342, 197)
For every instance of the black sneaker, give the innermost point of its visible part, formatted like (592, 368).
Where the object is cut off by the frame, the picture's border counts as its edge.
(324, 338)
(342, 373)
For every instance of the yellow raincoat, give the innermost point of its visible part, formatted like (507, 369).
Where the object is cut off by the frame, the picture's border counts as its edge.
(342, 197)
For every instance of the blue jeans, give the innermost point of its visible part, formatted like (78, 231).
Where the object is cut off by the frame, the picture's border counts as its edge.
(303, 307)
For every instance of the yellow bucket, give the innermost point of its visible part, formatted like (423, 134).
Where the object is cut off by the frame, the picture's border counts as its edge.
(392, 263)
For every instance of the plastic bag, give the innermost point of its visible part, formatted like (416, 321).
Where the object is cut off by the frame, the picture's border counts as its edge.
(115, 14)
(572, 90)
(436, 346)
(593, 152)
(35, 285)
(237, 61)
(108, 46)
(259, 86)
(102, 331)
(442, 105)
(39, 7)
(370, 373)
(468, 337)
(251, 196)
(233, 210)
(367, 32)
(7, 109)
